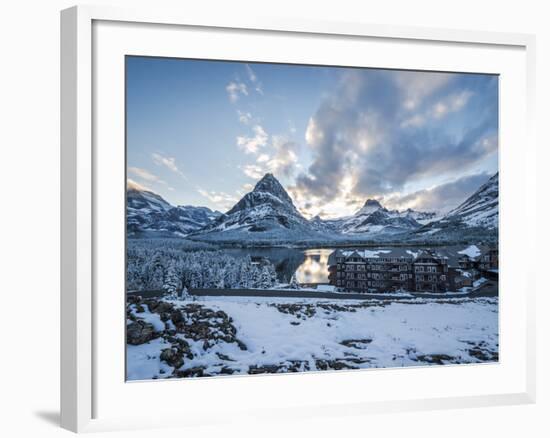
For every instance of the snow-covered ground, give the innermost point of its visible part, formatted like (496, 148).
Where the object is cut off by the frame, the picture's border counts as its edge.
(228, 335)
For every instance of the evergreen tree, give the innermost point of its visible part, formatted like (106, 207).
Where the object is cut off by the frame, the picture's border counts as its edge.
(255, 277)
(265, 278)
(244, 276)
(184, 294)
(294, 282)
(156, 272)
(272, 274)
(171, 280)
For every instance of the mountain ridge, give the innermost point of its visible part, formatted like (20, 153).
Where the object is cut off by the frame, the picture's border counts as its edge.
(148, 213)
(476, 217)
(268, 214)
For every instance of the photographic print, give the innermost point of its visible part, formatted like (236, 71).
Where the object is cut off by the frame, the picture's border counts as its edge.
(297, 218)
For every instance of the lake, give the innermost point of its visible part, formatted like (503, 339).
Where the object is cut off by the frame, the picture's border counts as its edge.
(309, 265)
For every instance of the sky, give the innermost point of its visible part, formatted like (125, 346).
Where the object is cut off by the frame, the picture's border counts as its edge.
(204, 132)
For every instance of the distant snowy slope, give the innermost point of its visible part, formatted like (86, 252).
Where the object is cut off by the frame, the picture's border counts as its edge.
(480, 209)
(145, 201)
(148, 214)
(374, 219)
(477, 216)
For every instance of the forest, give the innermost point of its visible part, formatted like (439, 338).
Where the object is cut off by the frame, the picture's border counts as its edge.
(163, 265)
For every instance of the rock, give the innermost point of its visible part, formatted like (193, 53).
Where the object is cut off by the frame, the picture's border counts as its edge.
(336, 364)
(439, 359)
(172, 356)
(483, 354)
(255, 369)
(176, 316)
(140, 332)
(133, 299)
(241, 345)
(159, 306)
(356, 343)
(140, 308)
(224, 357)
(191, 372)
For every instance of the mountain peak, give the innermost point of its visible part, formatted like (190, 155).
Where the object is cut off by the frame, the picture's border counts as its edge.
(267, 182)
(372, 203)
(270, 184)
(268, 190)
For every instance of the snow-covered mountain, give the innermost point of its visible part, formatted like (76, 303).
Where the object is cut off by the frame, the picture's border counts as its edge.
(148, 214)
(373, 219)
(476, 216)
(480, 209)
(422, 217)
(265, 213)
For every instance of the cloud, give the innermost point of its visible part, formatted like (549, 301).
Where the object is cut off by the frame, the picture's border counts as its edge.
(442, 198)
(253, 78)
(452, 103)
(133, 185)
(362, 131)
(251, 145)
(251, 75)
(222, 200)
(415, 121)
(262, 158)
(253, 171)
(284, 158)
(415, 86)
(244, 117)
(168, 162)
(144, 174)
(235, 90)
(438, 110)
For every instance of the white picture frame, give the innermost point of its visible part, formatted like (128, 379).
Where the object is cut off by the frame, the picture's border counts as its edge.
(84, 314)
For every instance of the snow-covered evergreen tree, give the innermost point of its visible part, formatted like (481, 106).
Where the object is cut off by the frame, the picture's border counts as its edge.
(272, 274)
(155, 271)
(171, 280)
(265, 278)
(244, 275)
(294, 282)
(184, 294)
(255, 277)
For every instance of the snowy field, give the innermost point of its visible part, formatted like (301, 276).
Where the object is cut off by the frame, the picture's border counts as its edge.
(227, 335)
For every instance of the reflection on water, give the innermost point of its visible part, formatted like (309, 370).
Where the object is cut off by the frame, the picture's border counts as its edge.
(309, 265)
(314, 269)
